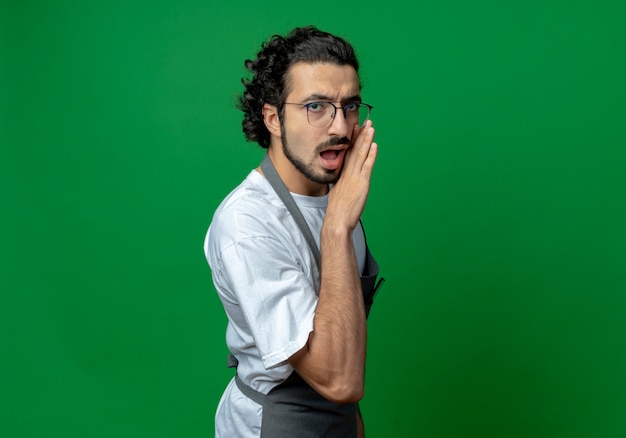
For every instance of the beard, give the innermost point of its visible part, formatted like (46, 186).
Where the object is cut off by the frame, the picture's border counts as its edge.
(324, 176)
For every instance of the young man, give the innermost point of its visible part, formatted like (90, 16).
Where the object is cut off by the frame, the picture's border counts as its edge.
(286, 248)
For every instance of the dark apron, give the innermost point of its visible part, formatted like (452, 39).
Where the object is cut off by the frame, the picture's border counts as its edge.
(293, 408)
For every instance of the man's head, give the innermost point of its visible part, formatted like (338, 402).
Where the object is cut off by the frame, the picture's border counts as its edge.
(303, 103)
(270, 82)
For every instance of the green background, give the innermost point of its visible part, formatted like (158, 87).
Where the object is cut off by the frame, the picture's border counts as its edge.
(497, 212)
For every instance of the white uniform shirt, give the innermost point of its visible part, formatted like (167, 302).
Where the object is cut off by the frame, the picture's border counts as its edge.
(266, 278)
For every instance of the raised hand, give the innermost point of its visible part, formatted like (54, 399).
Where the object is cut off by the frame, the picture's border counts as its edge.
(348, 196)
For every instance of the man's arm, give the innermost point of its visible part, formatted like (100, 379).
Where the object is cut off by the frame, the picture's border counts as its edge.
(333, 360)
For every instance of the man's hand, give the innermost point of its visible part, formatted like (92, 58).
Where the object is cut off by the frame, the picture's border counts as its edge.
(348, 196)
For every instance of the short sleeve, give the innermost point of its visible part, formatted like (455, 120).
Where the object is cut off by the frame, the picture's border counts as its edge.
(266, 281)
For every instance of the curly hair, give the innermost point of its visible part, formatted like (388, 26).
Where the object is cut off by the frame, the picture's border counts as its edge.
(269, 73)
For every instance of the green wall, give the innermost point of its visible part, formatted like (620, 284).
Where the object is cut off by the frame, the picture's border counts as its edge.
(497, 212)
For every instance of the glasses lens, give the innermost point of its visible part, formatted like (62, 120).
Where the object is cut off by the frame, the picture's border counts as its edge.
(364, 113)
(320, 114)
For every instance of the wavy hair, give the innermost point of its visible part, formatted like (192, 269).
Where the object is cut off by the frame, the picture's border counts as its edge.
(268, 83)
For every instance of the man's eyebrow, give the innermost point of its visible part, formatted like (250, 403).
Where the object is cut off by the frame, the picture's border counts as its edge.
(322, 97)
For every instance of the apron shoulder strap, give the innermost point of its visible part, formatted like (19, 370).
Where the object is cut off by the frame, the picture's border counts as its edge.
(279, 187)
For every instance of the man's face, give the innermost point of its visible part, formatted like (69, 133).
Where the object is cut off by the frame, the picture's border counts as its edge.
(318, 153)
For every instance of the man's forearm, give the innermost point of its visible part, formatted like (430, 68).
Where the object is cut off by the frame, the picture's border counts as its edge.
(334, 358)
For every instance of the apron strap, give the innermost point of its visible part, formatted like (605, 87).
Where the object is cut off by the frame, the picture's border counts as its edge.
(279, 187)
(248, 391)
(232, 361)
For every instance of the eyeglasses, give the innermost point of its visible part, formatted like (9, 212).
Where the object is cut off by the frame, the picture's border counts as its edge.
(322, 114)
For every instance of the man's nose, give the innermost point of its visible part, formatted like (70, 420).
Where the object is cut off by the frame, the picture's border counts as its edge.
(339, 124)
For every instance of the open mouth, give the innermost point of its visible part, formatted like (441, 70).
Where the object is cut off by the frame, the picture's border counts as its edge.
(332, 158)
(329, 154)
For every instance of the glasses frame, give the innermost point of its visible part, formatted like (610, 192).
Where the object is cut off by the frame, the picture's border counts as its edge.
(344, 110)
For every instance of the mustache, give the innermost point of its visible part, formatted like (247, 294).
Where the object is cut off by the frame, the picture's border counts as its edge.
(333, 141)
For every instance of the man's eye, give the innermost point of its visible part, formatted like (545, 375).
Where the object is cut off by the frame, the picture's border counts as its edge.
(352, 107)
(316, 106)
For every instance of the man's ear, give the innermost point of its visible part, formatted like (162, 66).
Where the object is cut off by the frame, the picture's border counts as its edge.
(271, 119)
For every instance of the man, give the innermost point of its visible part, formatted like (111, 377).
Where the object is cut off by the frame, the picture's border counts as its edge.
(296, 278)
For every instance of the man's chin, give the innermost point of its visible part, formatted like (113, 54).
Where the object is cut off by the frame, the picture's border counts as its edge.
(327, 176)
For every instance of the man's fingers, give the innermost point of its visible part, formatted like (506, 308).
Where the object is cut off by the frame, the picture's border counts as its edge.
(368, 166)
(359, 152)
